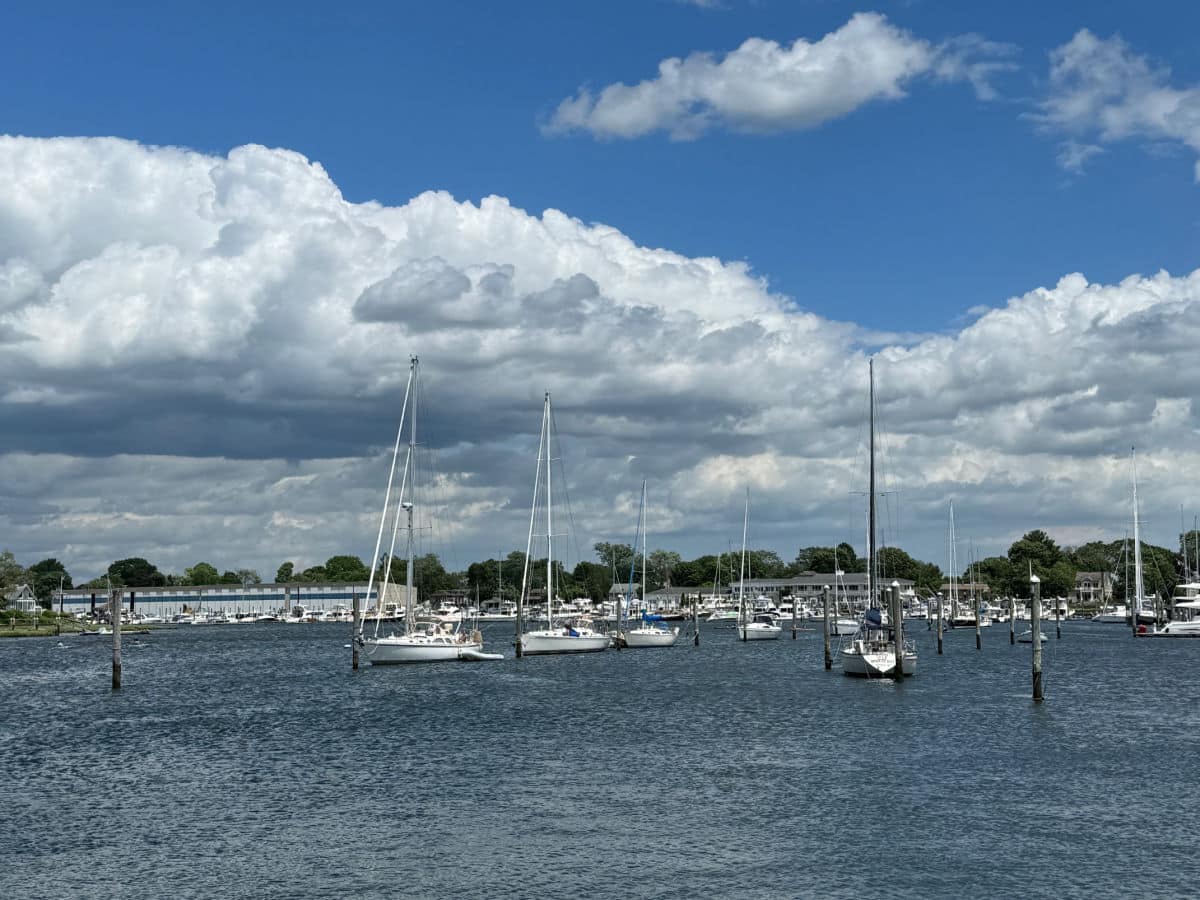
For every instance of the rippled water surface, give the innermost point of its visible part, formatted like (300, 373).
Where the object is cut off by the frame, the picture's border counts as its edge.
(250, 761)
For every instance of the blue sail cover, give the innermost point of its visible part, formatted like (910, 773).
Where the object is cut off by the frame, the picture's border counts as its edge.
(648, 617)
(874, 619)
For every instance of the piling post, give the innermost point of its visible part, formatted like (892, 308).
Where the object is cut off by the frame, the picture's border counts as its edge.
(696, 619)
(978, 623)
(1035, 618)
(794, 628)
(941, 605)
(898, 628)
(114, 608)
(1057, 620)
(520, 652)
(1012, 620)
(825, 629)
(354, 631)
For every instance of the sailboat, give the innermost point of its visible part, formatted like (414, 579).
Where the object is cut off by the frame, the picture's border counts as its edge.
(571, 637)
(752, 626)
(872, 652)
(1142, 609)
(436, 642)
(651, 632)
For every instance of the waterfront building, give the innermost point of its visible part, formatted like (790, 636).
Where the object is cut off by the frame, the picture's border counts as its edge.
(1093, 588)
(22, 599)
(230, 598)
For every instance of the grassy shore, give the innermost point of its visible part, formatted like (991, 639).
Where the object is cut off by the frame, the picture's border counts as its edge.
(50, 626)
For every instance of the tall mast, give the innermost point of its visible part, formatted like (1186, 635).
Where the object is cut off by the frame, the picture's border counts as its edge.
(386, 502)
(410, 613)
(549, 526)
(742, 570)
(871, 579)
(645, 513)
(953, 567)
(1139, 590)
(537, 483)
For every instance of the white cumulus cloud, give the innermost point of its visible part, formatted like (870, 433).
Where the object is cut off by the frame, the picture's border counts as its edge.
(203, 357)
(764, 86)
(1101, 90)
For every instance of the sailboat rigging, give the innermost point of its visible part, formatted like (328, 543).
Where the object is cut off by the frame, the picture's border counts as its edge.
(425, 643)
(650, 633)
(573, 636)
(873, 651)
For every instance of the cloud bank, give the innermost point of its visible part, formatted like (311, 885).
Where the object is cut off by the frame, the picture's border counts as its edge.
(203, 357)
(763, 86)
(1101, 91)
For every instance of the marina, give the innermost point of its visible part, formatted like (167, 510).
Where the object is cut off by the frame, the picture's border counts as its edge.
(244, 756)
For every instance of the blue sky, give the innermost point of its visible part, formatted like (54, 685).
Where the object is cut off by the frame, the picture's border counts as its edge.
(900, 216)
(202, 347)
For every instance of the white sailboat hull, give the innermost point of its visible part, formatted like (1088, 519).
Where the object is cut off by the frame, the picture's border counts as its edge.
(399, 649)
(542, 643)
(757, 631)
(1179, 629)
(651, 637)
(866, 660)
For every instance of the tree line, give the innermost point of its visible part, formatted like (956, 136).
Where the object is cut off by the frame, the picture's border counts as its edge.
(616, 563)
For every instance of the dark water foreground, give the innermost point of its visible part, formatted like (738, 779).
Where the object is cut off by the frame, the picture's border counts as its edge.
(248, 761)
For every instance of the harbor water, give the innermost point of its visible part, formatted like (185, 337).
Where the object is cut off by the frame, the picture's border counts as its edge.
(249, 761)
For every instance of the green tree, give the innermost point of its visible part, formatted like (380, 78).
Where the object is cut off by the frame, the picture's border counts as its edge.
(249, 576)
(44, 577)
(136, 572)
(431, 576)
(998, 574)
(12, 573)
(1035, 547)
(662, 564)
(285, 573)
(202, 573)
(592, 580)
(314, 573)
(346, 568)
(615, 556)
(895, 563)
(1059, 579)
(229, 577)
(764, 564)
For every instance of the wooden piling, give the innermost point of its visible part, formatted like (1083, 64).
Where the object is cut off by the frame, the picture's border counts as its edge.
(354, 631)
(1012, 620)
(1035, 618)
(825, 629)
(1057, 620)
(794, 628)
(521, 617)
(114, 609)
(941, 605)
(898, 628)
(696, 619)
(978, 623)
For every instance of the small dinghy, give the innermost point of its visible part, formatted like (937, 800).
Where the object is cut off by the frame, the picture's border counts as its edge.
(478, 655)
